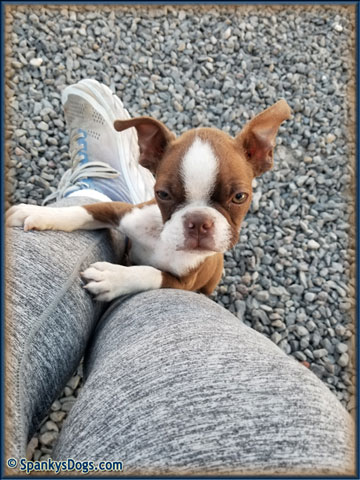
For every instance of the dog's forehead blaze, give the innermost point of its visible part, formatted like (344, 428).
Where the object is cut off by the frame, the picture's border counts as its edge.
(202, 159)
(199, 170)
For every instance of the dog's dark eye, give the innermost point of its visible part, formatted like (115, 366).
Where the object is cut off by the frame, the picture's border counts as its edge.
(162, 195)
(240, 197)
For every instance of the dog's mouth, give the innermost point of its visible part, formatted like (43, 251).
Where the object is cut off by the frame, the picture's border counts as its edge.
(205, 245)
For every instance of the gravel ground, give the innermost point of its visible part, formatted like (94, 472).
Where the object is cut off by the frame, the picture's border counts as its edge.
(291, 275)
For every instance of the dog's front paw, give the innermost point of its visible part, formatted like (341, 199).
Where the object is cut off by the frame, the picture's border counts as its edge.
(32, 217)
(106, 281)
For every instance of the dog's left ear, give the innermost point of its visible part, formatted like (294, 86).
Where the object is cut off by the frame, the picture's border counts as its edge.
(257, 138)
(153, 138)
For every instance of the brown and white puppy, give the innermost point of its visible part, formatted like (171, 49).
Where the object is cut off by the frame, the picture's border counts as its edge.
(202, 193)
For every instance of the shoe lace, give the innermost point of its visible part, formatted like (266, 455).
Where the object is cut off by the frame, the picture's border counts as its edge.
(73, 178)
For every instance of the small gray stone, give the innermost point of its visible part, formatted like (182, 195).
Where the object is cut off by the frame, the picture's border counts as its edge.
(276, 337)
(74, 381)
(311, 325)
(320, 353)
(278, 324)
(227, 33)
(322, 296)
(330, 367)
(313, 245)
(36, 62)
(47, 176)
(51, 426)
(31, 447)
(309, 296)
(225, 299)
(344, 306)
(48, 438)
(20, 132)
(327, 344)
(278, 291)
(262, 316)
(300, 356)
(343, 360)
(67, 406)
(267, 259)
(303, 279)
(304, 342)
(296, 289)
(43, 162)
(68, 391)
(340, 330)
(57, 416)
(301, 317)
(319, 370)
(43, 126)
(262, 296)
(301, 330)
(56, 406)
(301, 180)
(341, 347)
(240, 307)
(256, 201)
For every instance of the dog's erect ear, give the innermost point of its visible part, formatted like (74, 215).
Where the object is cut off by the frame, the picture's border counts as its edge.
(257, 138)
(153, 138)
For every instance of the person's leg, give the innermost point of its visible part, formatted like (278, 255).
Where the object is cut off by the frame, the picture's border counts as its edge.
(177, 385)
(49, 318)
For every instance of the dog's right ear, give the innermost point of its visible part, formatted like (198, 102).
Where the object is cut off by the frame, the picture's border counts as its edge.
(153, 138)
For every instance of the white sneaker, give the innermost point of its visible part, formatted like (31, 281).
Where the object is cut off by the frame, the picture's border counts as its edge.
(104, 160)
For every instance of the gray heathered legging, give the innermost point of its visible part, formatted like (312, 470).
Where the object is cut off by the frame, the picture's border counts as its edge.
(174, 383)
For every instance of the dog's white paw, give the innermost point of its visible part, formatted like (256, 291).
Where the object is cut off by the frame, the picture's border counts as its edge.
(106, 281)
(32, 217)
